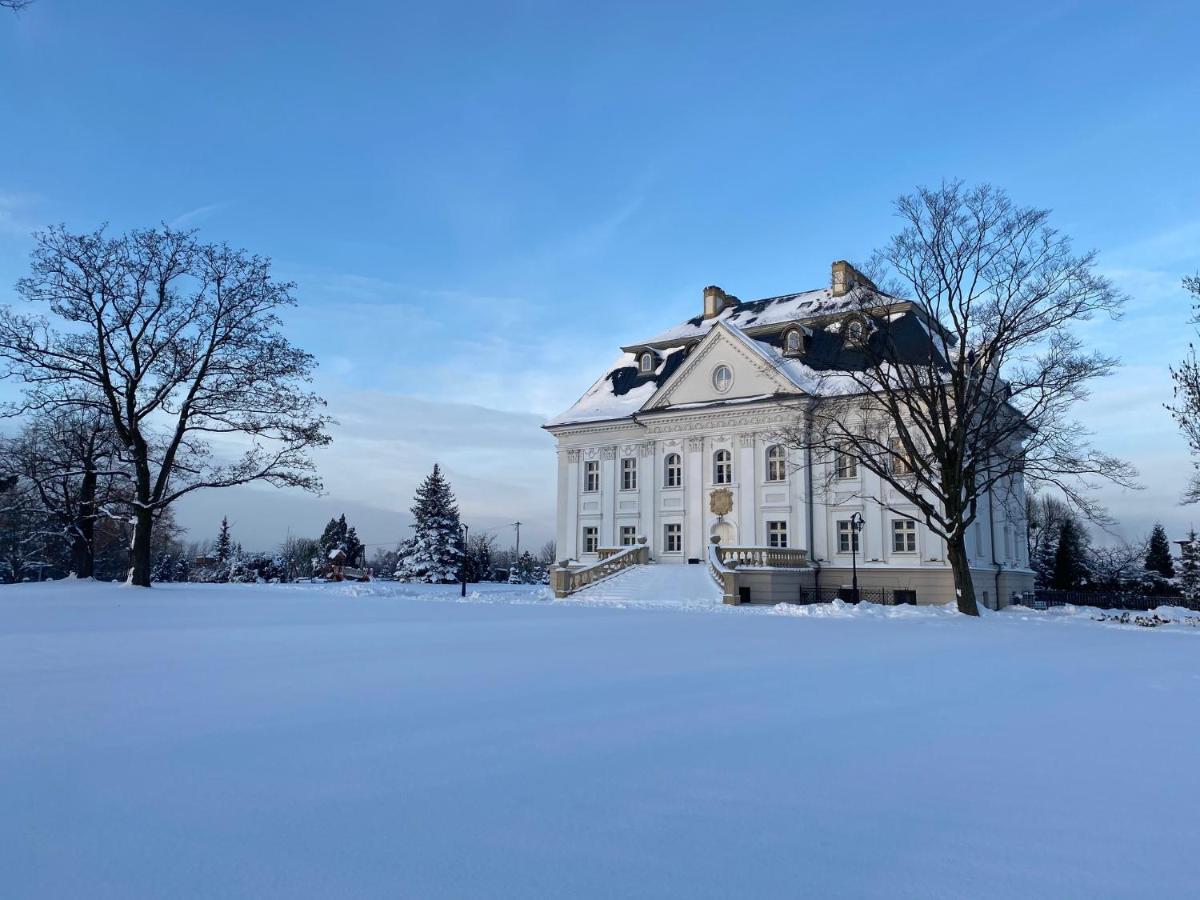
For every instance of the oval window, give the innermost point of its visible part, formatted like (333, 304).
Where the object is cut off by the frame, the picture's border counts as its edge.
(722, 378)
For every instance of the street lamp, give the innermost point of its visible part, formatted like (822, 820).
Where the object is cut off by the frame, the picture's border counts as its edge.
(856, 525)
(462, 566)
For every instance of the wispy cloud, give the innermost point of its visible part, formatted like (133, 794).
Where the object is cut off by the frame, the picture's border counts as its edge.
(199, 214)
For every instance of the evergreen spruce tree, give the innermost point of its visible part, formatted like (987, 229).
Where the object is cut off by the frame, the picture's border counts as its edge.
(527, 568)
(1070, 559)
(1041, 560)
(224, 545)
(1158, 554)
(164, 568)
(353, 546)
(1189, 568)
(433, 553)
(183, 570)
(334, 535)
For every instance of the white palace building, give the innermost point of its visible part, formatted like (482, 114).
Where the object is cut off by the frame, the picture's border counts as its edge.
(677, 444)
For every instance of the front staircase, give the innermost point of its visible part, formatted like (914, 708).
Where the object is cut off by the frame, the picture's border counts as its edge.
(655, 584)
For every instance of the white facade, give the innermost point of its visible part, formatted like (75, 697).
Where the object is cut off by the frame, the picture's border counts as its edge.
(643, 462)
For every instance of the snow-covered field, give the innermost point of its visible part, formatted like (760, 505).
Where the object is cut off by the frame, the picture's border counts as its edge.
(386, 740)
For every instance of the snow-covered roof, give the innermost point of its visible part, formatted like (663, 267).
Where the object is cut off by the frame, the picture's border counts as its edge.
(624, 390)
(766, 312)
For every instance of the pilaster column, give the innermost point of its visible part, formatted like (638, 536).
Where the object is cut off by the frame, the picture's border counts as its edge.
(697, 509)
(568, 540)
(648, 481)
(608, 496)
(798, 497)
(747, 511)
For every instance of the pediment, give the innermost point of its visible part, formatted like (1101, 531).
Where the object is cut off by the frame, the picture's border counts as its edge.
(753, 374)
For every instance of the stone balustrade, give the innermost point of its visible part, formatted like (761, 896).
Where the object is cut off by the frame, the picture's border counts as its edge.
(763, 557)
(566, 580)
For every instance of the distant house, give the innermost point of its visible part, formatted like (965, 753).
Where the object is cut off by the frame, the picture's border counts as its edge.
(336, 569)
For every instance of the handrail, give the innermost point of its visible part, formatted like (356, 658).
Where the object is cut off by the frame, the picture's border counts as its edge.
(723, 575)
(567, 581)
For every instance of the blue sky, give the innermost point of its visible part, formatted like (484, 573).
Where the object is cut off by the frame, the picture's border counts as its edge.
(482, 201)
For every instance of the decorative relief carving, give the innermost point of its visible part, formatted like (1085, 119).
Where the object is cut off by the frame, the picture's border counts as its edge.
(771, 418)
(747, 440)
(695, 444)
(608, 452)
(720, 502)
(573, 456)
(591, 453)
(646, 450)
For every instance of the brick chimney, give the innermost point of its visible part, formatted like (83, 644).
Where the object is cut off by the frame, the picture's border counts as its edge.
(845, 278)
(716, 301)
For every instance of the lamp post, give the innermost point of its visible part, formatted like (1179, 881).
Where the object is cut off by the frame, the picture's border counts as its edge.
(856, 525)
(462, 566)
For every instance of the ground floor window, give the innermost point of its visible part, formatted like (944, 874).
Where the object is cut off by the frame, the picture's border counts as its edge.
(591, 539)
(847, 537)
(628, 535)
(904, 536)
(777, 534)
(673, 538)
(905, 596)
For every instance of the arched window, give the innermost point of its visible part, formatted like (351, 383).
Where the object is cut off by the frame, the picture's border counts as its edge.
(855, 332)
(722, 467)
(776, 463)
(793, 342)
(672, 471)
(646, 363)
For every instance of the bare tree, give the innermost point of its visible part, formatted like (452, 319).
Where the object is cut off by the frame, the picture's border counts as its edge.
(971, 393)
(546, 556)
(177, 342)
(1115, 565)
(1186, 409)
(71, 460)
(15, 4)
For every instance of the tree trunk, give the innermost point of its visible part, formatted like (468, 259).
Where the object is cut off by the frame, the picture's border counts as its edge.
(83, 552)
(139, 573)
(83, 561)
(964, 588)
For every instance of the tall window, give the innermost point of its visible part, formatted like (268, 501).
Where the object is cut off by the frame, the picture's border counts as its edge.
(673, 538)
(629, 473)
(847, 537)
(845, 465)
(591, 539)
(901, 464)
(777, 534)
(722, 467)
(794, 342)
(591, 475)
(776, 463)
(904, 536)
(646, 363)
(628, 535)
(672, 471)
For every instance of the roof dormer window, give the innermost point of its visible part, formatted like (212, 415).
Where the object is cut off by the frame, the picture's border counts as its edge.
(854, 332)
(793, 342)
(646, 363)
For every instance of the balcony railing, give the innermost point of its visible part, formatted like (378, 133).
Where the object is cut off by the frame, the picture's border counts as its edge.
(762, 557)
